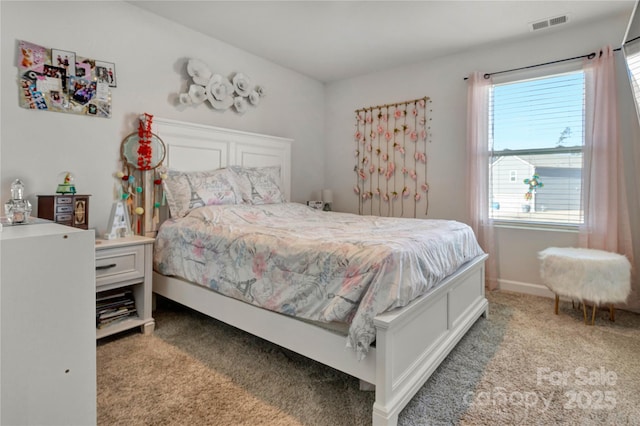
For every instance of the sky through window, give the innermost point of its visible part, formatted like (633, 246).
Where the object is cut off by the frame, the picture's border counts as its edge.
(540, 113)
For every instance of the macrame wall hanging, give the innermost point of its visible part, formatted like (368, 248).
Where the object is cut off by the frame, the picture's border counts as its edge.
(391, 158)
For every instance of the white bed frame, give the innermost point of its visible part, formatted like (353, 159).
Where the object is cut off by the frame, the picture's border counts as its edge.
(410, 342)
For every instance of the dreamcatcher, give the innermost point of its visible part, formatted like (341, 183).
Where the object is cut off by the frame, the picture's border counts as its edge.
(142, 153)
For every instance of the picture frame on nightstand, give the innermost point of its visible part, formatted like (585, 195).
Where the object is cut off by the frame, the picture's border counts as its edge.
(119, 224)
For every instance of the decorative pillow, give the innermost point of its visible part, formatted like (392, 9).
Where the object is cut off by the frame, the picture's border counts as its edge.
(186, 191)
(259, 185)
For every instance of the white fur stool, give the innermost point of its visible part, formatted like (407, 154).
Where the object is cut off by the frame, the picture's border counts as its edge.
(586, 275)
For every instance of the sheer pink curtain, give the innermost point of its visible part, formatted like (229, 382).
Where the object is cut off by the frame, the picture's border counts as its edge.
(478, 95)
(606, 214)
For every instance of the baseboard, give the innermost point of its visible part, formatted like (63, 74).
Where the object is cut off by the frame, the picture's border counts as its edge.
(540, 290)
(526, 288)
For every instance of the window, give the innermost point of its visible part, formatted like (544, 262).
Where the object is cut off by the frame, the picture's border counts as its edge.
(632, 54)
(536, 139)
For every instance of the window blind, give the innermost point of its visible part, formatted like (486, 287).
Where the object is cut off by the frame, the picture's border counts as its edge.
(632, 54)
(537, 134)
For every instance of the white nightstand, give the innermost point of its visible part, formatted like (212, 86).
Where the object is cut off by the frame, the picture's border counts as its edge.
(124, 266)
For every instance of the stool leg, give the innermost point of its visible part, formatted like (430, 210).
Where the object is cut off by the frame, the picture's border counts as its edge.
(557, 299)
(593, 315)
(612, 313)
(584, 312)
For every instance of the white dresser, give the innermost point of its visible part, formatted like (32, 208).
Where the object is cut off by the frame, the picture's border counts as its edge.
(47, 322)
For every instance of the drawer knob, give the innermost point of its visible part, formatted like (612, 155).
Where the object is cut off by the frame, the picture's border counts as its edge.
(102, 267)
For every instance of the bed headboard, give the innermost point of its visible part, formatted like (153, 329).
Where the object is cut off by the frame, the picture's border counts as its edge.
(198, 147)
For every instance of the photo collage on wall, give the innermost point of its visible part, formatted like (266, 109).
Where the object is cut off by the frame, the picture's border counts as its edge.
(59, 80)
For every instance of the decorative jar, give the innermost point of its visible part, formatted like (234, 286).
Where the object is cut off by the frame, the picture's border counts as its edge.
(17, 209)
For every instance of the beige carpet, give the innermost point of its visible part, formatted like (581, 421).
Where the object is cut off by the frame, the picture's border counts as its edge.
(524, 365)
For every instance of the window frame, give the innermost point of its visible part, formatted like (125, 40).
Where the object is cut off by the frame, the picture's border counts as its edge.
(523, 76)
(631, 51)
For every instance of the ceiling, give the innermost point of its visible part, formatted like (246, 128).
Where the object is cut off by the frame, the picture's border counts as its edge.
(334, 40)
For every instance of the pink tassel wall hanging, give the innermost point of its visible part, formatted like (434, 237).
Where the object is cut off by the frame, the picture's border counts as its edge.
(391, 160)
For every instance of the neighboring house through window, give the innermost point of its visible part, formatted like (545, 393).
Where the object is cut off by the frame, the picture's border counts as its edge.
(536, 139)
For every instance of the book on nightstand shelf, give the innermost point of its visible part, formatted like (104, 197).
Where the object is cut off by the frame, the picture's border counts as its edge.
(114, 306)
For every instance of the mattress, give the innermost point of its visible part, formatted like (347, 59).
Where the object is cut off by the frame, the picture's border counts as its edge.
(320, 266)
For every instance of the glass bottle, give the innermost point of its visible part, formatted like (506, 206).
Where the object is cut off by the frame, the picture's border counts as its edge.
(17, 209)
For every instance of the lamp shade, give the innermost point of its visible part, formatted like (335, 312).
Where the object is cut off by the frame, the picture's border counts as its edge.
(327, 196)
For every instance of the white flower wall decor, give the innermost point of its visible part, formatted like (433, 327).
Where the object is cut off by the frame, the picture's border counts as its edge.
(221, 92)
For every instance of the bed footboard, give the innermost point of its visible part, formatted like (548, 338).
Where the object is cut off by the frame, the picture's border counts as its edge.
(412, 342)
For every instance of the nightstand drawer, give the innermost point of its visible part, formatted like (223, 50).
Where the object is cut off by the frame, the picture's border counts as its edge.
(119, 265)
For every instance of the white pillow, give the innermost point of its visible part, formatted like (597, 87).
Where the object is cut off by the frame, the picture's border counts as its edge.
(259, 185)
(186, 191)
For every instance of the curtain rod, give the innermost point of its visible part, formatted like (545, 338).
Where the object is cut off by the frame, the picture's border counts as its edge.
(588, 56)
(426, 99)
(629, 41)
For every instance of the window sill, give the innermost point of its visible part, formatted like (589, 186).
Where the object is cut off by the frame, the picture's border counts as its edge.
(536, 226)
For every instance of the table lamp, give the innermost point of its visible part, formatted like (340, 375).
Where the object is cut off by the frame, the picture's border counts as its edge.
(327, 199)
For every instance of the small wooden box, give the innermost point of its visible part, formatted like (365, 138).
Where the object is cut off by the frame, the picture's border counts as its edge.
(65, 209)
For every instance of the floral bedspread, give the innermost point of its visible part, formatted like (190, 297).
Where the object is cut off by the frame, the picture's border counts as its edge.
(322, 266)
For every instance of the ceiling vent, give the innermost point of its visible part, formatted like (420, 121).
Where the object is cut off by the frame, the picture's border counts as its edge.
(548, 23)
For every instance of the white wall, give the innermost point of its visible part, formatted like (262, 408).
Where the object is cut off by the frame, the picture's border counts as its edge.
(442, 81)
(149, 53)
